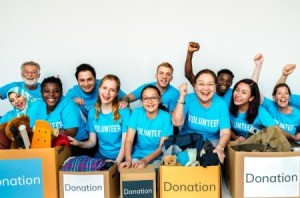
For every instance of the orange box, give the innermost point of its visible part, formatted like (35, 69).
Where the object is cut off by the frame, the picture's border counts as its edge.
(31, 172)
(190, 181)
(104, 184)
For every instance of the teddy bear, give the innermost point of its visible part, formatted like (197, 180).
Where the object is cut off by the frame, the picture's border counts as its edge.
(13, 126)
(170, 160)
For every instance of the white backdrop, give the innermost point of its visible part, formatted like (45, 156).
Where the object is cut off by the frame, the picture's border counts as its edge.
(130, 38)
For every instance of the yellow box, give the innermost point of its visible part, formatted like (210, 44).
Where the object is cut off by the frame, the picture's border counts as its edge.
(253, 170)
(191, 181)
(138, 182)
(98, 184)
(31, 172)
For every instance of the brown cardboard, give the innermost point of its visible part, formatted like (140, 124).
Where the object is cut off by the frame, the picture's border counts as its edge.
(234, 173)
(190, 181)
(111, 178)
(52, 160)
(138, 177)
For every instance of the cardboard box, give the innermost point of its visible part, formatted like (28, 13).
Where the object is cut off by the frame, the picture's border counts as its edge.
(190, 181)
(31, 172)
(105, 184)
(262, 174)
(136, 183)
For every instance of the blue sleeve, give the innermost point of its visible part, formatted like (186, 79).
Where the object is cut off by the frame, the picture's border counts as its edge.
(138, 91)
(267, 120)
(224, 116)
(295, 100)
(267, 104)
(71, 93)
(71, 115)
(7, 117)
(132, 121)
(173, 102)
(167, 128)
(121, 94)
(5, 88)
(125, 115)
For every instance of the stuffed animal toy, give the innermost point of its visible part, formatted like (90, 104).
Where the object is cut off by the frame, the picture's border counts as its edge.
(60, 140)
(12, 132)
(170, 160)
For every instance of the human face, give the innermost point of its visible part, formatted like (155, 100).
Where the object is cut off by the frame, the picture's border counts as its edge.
(108, 91)
(163, 77)
(86, 81)
(282, 97)
(224, 83)
(205, 88)
(51, 94)
(17, 100)
(150, 100)
(242, 96)
(30, 75)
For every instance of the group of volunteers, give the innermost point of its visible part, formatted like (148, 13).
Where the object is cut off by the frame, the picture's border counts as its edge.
(96, 116)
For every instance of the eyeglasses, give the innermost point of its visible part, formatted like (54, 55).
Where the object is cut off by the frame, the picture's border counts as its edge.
(152, 99)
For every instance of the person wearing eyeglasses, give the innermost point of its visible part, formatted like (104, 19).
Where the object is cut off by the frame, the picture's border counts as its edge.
(30, 72)
(204, 112)
(150, 126)
(164, 76)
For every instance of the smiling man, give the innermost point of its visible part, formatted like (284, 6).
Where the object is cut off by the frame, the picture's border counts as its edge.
(30, 72)
(85, 93)
(169, 94)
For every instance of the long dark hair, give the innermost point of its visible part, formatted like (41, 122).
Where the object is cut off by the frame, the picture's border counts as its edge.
(252, 111)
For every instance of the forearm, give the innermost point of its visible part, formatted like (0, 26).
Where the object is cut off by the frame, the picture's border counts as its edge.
(127, 151)
(282, 79)
(153, 155)
(224, 138)
(177, 115)
(188, 69)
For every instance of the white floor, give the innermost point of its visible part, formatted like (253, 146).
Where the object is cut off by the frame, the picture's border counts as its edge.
(225, 191)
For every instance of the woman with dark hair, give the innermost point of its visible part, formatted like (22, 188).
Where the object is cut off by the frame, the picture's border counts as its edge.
(106, 123)
(204, 112)
(287, 116)
(61, 112)
(246, 114)
(151, 126)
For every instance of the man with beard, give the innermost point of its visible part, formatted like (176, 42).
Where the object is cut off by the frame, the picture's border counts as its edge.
(30, 72)
(224, 76)
(169, 94)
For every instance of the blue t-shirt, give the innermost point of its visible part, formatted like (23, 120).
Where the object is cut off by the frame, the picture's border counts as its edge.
(206, 121)
(34, 93)
(227, 96)
(168, 98)
(108, 131)
(287, 122)
(90, 99)
(65, 116)
(295, 100)
(149, 131)
(241, 127)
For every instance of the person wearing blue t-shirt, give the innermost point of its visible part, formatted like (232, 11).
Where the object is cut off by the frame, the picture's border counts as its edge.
(85, 93)
(246, 114)
(224, 76)
(151, 126)
(287, 117)
(169, 94)
(106, 123)
(204, 112)
(30, 72)
(286, 71)
(61, 112)
(20, 100)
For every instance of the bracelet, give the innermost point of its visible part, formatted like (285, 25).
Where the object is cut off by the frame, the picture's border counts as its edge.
(221, 147)
(183, 103)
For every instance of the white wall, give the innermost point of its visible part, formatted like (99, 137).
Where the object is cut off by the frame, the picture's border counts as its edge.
(131, 37)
